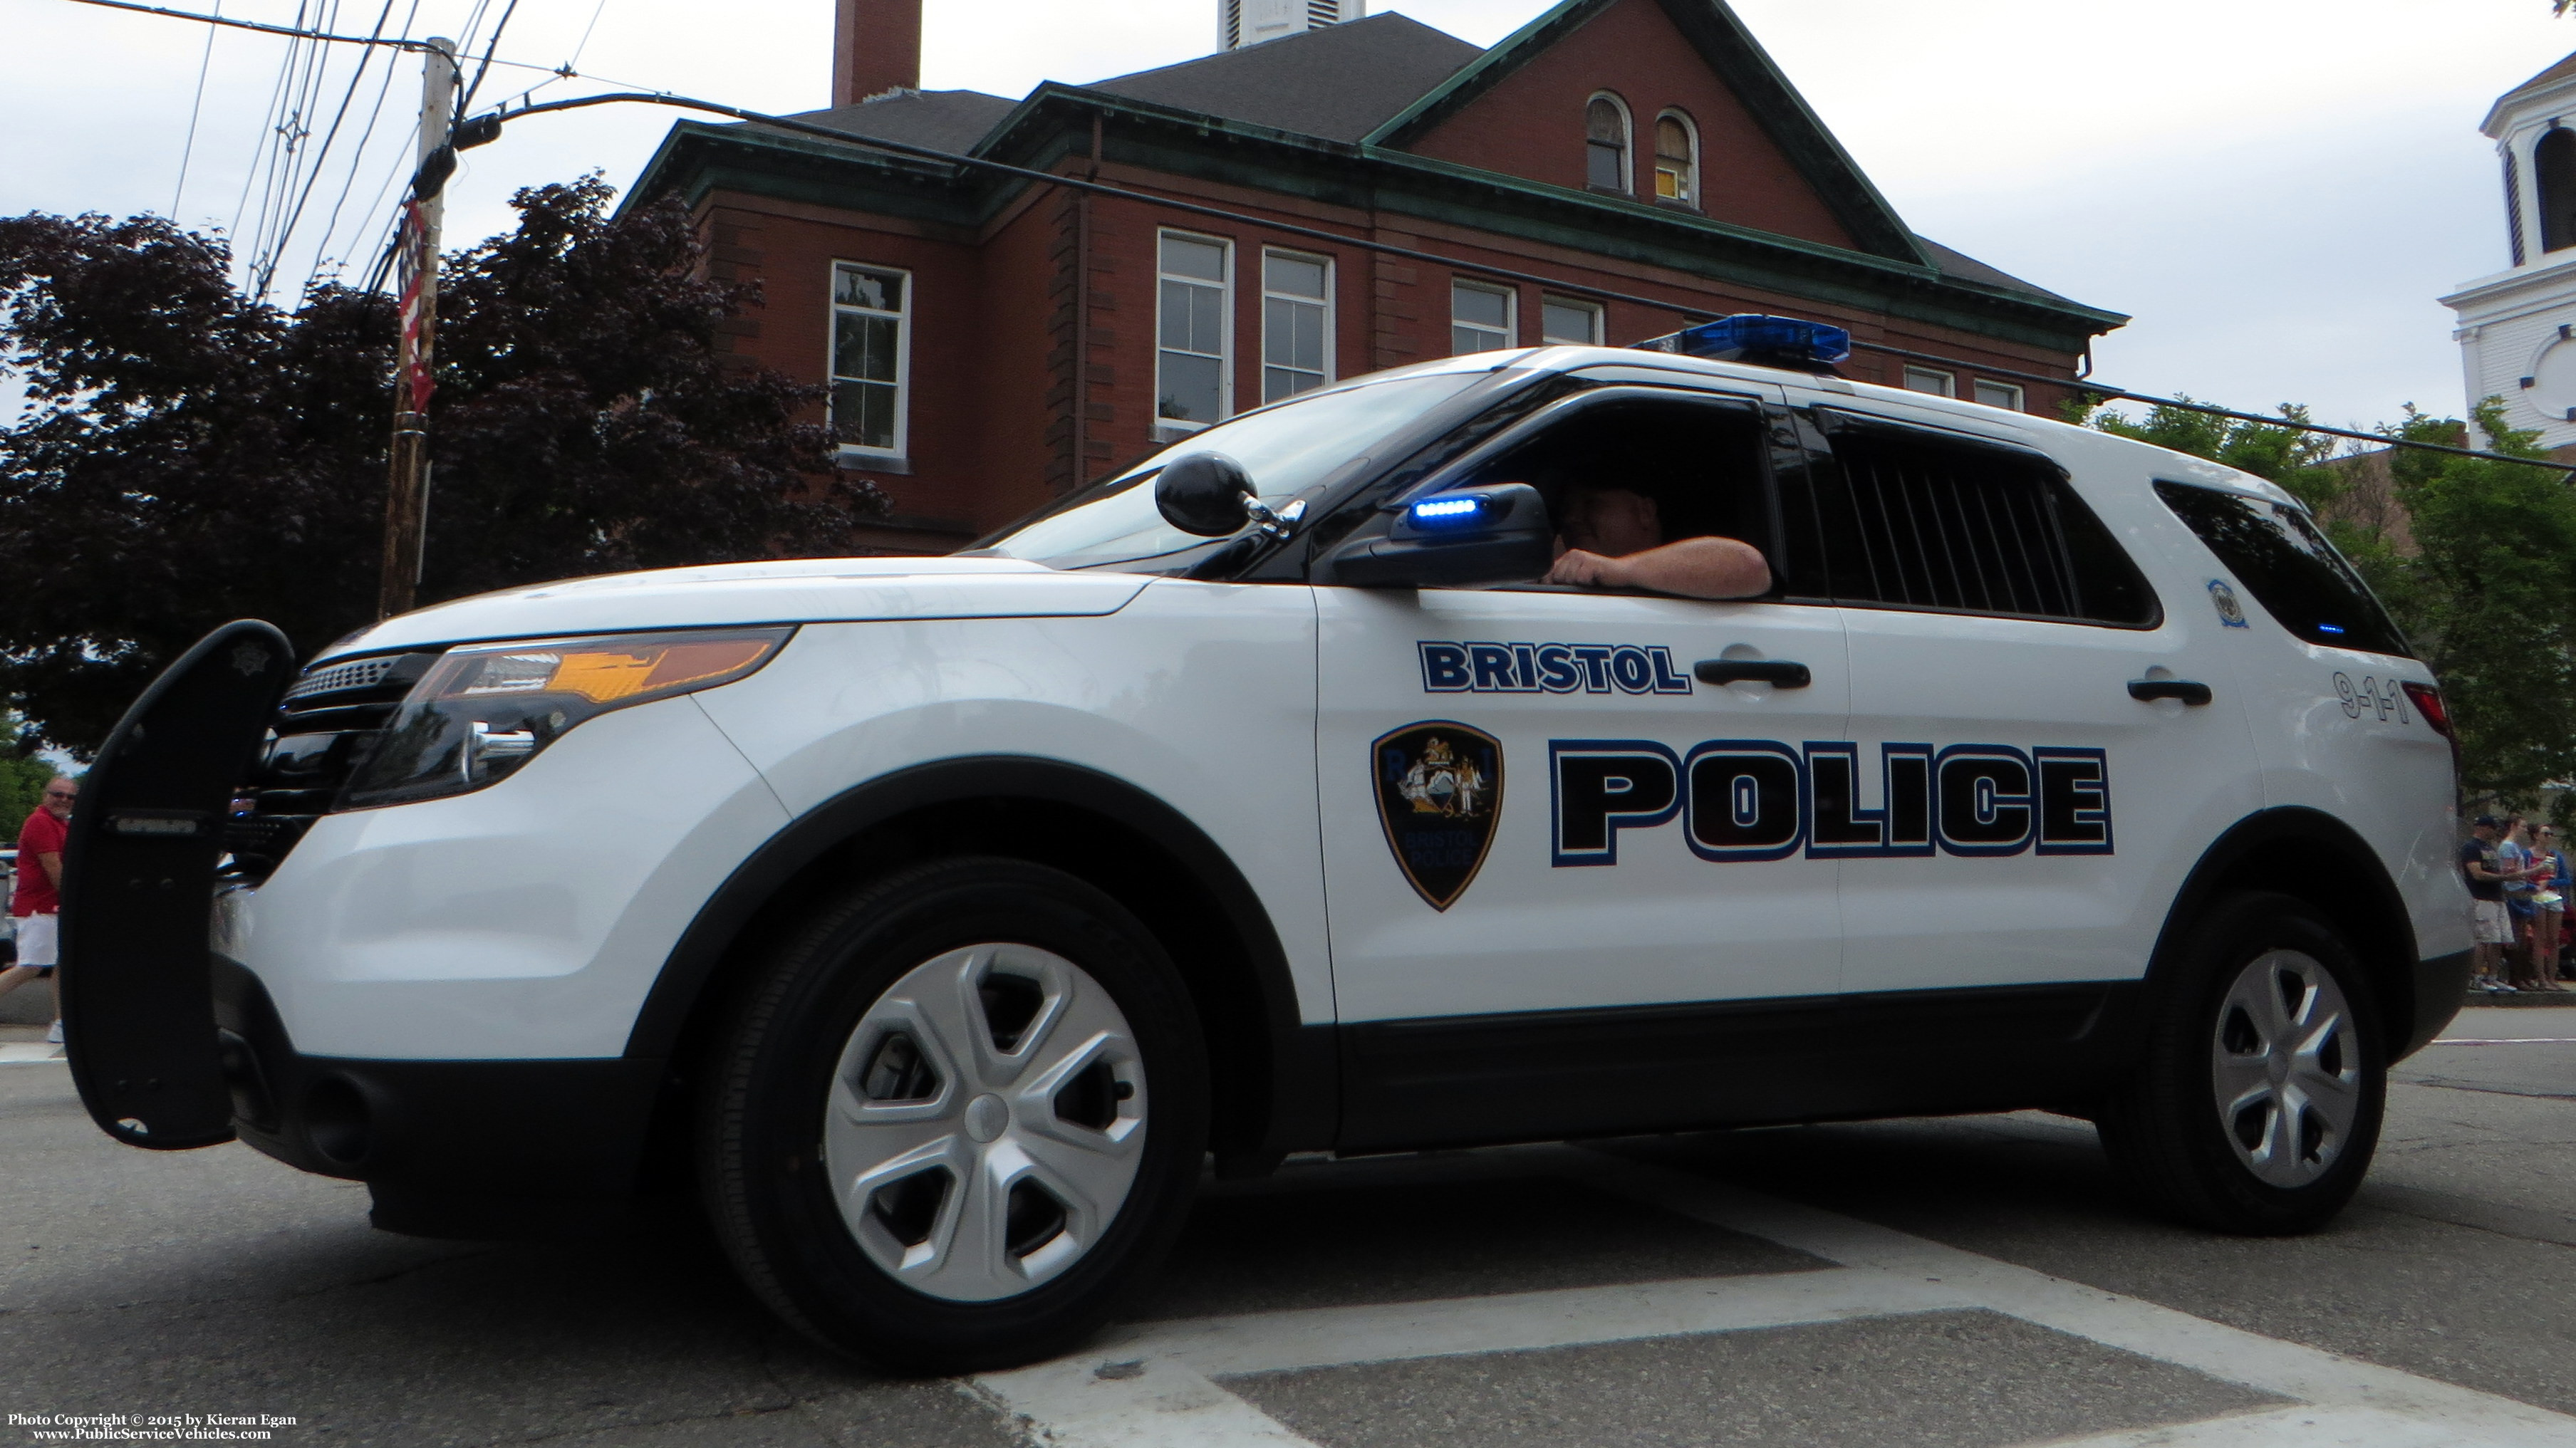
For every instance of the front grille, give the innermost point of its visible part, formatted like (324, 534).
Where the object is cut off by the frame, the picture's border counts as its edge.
(327, 727)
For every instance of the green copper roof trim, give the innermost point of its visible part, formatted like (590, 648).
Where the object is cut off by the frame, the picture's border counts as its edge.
(1722, 40)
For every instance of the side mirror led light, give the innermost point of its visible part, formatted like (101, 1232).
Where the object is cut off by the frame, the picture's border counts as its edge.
(1448, 510)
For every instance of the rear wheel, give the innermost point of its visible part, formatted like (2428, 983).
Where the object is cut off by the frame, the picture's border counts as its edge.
(961, 1112)
(2258, 1107)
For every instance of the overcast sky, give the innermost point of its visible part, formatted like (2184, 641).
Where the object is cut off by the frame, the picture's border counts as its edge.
(2275, 189)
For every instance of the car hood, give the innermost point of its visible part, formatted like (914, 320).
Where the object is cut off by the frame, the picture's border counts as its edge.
(802, 590)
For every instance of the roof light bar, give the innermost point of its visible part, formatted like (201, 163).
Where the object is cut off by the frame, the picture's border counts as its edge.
(1762, 341)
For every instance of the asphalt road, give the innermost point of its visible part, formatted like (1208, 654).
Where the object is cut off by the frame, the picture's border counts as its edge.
(1972, 1281)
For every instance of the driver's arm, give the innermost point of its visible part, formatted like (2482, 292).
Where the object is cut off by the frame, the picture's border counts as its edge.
(1691, 568)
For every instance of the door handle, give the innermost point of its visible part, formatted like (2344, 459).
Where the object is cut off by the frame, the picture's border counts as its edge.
(2149, 690)
(1778, 673)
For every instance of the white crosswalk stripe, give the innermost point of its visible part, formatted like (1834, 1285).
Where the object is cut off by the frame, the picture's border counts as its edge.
(1158, 1385)
(25, 1054)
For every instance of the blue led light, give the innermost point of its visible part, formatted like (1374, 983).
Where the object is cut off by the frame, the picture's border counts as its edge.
(1762, 340)
(2330, 628)
(1447, 509)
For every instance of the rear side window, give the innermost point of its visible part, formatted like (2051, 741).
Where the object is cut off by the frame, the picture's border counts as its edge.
(2289, 567)
(1904, 517)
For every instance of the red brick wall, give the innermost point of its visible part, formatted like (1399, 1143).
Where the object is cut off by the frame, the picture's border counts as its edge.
(993, 422)
(1530, 124)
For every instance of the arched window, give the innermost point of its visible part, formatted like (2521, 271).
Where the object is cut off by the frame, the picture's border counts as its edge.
(2553, 176)
(1605, 143)
(1676, 159)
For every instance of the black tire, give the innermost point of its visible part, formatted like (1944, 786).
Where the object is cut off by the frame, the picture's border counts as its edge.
(2264, 1170)
(762, 1120)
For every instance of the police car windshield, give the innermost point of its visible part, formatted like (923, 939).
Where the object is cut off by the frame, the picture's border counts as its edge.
(1289, 449)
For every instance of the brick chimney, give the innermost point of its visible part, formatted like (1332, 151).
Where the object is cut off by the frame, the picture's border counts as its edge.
(876, 47)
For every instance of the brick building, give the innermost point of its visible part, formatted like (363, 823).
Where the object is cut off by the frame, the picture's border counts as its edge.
(992, 342)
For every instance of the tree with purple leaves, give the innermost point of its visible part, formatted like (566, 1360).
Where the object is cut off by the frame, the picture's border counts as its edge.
(187, 455)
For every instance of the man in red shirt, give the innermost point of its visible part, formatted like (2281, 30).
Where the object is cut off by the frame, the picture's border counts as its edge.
(37, 903)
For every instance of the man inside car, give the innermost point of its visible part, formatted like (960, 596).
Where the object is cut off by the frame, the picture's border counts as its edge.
(1612, 537)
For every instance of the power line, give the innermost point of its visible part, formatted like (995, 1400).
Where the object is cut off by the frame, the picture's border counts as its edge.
(268, 120)
(390, 42)
(480, 71)
(218, 19)
(313, 173)
(195, 105)
(1099, 188)
(322, 249)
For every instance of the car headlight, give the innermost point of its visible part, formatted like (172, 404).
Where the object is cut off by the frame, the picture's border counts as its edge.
(483, 710)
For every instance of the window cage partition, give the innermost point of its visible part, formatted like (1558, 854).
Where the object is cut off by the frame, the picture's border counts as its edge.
(1911, 518)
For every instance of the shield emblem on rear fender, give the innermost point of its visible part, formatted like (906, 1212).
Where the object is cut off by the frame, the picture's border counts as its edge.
(1439, 791)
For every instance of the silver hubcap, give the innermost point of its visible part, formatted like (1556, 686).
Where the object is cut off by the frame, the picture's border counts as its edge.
(2285, 1068)
(985, 1122)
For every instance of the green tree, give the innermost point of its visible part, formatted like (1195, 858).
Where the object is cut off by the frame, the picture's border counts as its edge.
(23, 778)
(191, 455)
(2296, 460)
(2489, 598)
(2487, 593)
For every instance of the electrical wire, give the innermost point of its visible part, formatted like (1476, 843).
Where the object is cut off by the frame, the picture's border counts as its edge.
(466, 100)
(268, 121)
(196, 104)
(584, 43)
(321, 157)
(286, 158)
(218, 19)
(357, 163)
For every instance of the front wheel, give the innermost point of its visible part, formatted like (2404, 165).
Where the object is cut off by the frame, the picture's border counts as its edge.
(958, 1116)
(2258, 1106)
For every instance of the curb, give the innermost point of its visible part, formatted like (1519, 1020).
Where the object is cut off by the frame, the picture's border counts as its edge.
(2522, 1000)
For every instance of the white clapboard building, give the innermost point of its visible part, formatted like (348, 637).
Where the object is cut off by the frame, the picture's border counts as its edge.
(2517, 327)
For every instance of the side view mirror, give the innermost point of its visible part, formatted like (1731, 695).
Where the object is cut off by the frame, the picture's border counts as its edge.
(1203, 494)
(1497, 534)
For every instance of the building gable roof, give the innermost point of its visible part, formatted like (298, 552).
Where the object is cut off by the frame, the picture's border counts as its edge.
(1740, 63)
(952, 120)
(2547, 80)
(1339, 82)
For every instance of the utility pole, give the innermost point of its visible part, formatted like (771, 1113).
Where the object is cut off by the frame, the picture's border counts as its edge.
(406, 489)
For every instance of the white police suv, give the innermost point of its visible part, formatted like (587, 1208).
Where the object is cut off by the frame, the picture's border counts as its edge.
(941, 918)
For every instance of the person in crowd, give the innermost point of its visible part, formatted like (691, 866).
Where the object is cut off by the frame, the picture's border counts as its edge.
(1614, 538)
(2486, 878)
(2513, 857)
(36, 903)
(2549, 907)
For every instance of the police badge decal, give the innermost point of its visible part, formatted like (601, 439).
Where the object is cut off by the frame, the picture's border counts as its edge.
(1439, 791)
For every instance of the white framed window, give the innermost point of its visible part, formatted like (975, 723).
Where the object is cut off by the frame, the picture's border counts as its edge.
(1926, 379)
(1569, 323)
(1296, 323)
(1193, 375)
(1480, 317)
(1676, 159)
(1999, 394)
(871, 358)
(1606, 135)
